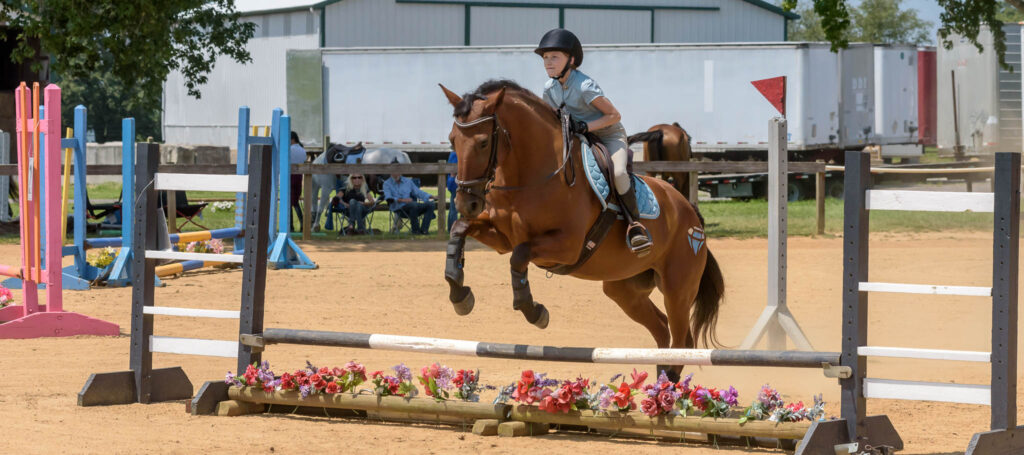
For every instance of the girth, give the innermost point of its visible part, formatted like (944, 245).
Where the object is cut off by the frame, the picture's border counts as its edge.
(605, 219)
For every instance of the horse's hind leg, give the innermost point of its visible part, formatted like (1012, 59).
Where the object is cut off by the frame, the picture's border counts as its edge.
(633, 296)
(679, 283)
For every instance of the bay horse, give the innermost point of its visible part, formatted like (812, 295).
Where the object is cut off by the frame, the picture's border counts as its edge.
(664, 142)
(515, 195)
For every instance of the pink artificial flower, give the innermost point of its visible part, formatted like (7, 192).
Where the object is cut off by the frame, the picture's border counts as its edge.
(649, 407)
(638, 379)
(666, 400)
(333, 387)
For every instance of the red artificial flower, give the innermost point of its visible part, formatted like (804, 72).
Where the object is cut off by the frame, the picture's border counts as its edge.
(337, 371)
(624, 397)
(286, 382)
(358, 369)
(377, 374)
(638, 379)
(333, 387)
(649, 407)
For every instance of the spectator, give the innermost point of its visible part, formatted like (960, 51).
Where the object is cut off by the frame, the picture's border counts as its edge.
(405, 197)
(356, 202)
(296, 155)
(452, 187)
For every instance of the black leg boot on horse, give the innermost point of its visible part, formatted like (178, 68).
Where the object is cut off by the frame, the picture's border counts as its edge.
(522, 298)
(461, 296)
(637, 237)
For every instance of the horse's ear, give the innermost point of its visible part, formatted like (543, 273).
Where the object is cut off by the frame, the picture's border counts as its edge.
(493, 102)
(452, 97)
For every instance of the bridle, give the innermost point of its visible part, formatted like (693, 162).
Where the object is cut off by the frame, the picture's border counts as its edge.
(480, 186)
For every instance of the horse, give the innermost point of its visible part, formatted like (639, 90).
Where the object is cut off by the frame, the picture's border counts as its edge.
(515, 195)
(324, 184)
(665, 142)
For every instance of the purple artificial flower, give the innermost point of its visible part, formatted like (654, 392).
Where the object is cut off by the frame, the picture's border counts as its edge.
(403, 372)
(685, 385)
(444, 377)
(230, 378)
(729, 396)
(606, 394)
(541, 380)
(304, 390)
(615, 378)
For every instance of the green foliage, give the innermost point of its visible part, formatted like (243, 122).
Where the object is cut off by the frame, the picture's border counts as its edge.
(1009, 14)
(108, 101)
(808, 27)
(874, 21)
(883, 21)
(835, 21)
(138, 42)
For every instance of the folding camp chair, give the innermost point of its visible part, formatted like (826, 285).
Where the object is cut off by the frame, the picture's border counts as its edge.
(183, 210)
(340, 215)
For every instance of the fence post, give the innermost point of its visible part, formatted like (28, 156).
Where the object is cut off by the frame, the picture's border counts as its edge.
(5, 180)
(307, 206)
(442, 203)
(819, 199)
(172, 212)
(693, 183)
(1005, 257)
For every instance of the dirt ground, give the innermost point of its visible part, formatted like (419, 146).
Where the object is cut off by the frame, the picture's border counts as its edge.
(397, 288)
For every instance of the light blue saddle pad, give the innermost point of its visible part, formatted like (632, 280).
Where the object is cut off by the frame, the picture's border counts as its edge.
(646, 203)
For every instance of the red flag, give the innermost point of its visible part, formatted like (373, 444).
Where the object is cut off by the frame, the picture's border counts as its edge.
(774, 90)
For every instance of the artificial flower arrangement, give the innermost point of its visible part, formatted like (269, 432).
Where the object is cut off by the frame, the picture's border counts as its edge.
(214, 246)
(101, 258)
(441, 383)
(220, 206)
(6, 297)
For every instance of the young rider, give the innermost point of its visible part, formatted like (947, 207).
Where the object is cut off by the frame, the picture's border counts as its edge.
(590, 110)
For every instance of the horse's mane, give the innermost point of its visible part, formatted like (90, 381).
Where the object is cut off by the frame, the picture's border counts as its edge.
(466, 105)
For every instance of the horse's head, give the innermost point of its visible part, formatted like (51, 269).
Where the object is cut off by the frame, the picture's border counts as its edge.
(475, 140)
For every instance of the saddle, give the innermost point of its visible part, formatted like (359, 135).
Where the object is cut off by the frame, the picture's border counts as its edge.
(608, 216)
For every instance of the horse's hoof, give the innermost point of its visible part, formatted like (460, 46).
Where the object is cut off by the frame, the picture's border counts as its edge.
(669, 372)
(463, 304)
(542, 319)
(316, 228)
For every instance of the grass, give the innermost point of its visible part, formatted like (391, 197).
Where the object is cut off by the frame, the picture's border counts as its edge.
(724, 219)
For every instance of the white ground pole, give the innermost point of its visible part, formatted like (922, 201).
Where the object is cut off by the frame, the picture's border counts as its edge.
(776, 321)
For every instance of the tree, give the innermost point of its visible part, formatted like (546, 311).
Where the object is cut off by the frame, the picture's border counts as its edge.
(961, 17)
(114, 55)
(874, 21)
(883, 21)
(808, 27)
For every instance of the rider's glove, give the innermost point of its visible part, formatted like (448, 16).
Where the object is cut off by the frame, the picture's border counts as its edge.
(578, 126)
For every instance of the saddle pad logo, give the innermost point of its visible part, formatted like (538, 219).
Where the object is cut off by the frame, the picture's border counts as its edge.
(696, 236)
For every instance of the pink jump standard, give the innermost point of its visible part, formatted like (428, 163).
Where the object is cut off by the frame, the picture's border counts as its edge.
(30, 319)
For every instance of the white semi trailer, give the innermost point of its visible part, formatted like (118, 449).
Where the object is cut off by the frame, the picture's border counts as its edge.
(389, 96)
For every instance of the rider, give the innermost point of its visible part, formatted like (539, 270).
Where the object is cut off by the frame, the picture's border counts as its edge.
(590, 110)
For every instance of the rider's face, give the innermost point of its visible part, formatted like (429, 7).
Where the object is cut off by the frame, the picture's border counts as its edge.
(554, 62)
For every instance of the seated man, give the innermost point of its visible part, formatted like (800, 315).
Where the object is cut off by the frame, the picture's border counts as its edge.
(405, 197)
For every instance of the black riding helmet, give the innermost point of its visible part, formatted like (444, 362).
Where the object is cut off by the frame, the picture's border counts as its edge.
(560, 39)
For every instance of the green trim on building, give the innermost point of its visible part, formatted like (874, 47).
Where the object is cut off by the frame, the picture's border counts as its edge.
(773, 8)
(561, 17)
(323, 27)
(561, 5)
(652, 25)
(785, 29)
(466, 29)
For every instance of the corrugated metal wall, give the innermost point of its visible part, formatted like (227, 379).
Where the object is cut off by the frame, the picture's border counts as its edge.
(496, 26)
(736, 21)
(213, 119)
(354, 23)
(604, 26)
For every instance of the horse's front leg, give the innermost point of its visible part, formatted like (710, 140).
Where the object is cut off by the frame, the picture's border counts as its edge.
(462, 296)
(522, 298)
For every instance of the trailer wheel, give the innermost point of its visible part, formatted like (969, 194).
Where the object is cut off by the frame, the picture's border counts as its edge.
(834, 188)
(796, 191)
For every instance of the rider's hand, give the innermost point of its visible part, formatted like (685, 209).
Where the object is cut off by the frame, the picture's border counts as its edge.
(577, 126)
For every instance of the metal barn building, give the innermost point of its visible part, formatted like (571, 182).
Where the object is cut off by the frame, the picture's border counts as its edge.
(302, 24)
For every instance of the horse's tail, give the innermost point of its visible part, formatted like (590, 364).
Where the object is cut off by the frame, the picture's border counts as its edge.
(689, 139)
(653, 140)
(709, 296)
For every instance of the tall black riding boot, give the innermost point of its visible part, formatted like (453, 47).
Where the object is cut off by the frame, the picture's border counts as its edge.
(637, 237)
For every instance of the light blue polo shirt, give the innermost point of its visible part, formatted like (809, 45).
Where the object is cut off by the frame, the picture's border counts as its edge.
(579, 91)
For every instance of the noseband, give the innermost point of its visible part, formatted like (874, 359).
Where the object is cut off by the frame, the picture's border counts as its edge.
(480, 186)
